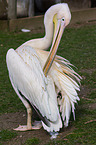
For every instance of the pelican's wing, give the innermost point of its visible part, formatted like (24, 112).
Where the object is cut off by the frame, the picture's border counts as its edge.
(28, 78)
(66, 80)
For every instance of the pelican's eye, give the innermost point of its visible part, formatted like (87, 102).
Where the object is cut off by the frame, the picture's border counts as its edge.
(63, 19)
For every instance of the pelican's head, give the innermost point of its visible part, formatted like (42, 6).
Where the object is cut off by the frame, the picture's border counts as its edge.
(63, 13)
(61, 18)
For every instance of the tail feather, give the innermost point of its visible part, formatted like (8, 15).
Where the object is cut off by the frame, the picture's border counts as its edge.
(69, 82)
(53, 126)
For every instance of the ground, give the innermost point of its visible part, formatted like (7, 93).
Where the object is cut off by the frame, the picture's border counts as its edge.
(80, 41)
(11, 120)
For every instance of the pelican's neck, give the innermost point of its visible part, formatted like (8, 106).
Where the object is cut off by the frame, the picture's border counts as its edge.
(48, 21)
(45, 42)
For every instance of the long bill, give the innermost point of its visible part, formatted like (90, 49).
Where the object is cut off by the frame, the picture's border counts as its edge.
(59, 28)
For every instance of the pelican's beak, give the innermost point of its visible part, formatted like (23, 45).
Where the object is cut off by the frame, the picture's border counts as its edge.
(58, 31)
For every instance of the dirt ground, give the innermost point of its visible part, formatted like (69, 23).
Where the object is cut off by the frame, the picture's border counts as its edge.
(12, 120)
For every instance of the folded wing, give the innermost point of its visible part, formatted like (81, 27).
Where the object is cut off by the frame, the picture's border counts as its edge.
(26, 74)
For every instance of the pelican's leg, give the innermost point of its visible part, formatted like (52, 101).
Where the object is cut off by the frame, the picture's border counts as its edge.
(29, 126)
(36, 124)
(29, 114)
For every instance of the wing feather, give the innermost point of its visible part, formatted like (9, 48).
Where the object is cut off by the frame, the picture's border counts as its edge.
(26, 74)
(67, 81)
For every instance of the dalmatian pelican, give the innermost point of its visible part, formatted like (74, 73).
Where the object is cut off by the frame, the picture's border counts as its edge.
(37, 75)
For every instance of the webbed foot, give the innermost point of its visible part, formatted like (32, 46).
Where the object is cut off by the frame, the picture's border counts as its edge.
(35, 125)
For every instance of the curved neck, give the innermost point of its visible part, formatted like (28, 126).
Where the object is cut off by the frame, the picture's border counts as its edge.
(45, 42)
(48, 23)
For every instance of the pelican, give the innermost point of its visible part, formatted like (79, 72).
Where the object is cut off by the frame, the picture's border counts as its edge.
(38, 76)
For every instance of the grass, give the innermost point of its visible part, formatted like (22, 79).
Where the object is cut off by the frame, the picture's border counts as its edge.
(6, 135)
(83, 135)
(78, 45)
(32, 141)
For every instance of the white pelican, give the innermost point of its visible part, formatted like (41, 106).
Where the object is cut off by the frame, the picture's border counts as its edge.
(37, 79)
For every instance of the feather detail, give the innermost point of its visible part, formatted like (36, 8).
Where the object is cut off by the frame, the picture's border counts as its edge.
(53, 126)
(67, 81)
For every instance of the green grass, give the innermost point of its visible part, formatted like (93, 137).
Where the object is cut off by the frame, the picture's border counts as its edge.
(6, 135)
(32, 141)
(84, 135)
(78, 45)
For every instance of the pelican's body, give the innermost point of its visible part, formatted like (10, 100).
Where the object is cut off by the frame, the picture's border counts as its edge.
(39, 89)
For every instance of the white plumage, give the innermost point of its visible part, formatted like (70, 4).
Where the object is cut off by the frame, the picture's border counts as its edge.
(25, 66)
(66, 80)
